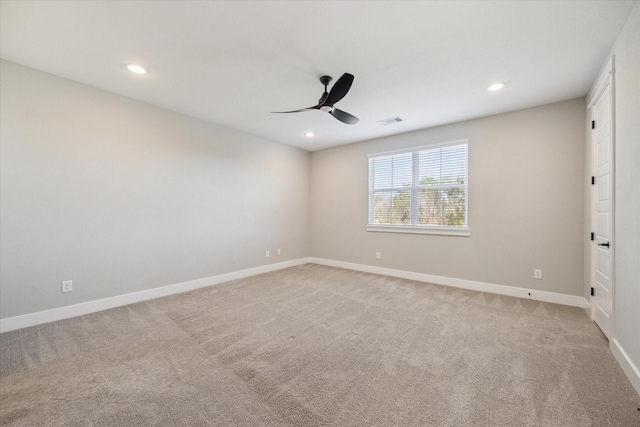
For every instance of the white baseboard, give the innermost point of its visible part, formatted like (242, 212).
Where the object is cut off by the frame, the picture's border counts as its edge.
(37, 318)
(32, 319)
(512, 291)
(630, 370)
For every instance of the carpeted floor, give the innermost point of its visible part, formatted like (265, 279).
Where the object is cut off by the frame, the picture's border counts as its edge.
(315, 345)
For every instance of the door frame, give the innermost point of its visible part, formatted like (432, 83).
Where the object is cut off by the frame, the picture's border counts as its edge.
(605, 80)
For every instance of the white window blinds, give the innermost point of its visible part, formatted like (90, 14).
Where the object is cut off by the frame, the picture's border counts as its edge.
(424, 187)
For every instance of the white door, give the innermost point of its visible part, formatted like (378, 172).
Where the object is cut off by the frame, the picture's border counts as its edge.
(602, 244)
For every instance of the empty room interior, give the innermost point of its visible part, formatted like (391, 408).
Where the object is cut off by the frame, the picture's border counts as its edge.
(363, 213)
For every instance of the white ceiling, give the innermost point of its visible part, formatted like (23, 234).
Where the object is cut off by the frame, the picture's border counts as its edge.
(232, 62)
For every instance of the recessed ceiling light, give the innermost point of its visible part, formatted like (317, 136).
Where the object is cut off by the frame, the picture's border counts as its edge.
(309, 134)
(496, 86)
(136, 69)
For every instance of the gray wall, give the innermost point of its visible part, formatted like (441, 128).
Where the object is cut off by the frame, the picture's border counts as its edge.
(627, 193)
(525, 202)
(121, 196)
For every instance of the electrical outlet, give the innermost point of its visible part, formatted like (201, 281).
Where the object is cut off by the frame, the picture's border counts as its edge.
(279, 253)
(67, 286)
(267, 254)
(537, 274)
(377, 255)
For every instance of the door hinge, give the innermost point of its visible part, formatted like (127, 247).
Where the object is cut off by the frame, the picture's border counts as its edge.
(593, 292)
(593, 124)
(593, 180)
(593, 236)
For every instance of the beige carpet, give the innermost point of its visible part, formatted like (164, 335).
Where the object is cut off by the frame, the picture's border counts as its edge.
(315, 345)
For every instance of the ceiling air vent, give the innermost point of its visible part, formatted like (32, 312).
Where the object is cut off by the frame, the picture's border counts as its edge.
(390, 121)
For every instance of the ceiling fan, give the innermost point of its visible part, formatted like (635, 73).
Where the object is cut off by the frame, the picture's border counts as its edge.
(337, 92)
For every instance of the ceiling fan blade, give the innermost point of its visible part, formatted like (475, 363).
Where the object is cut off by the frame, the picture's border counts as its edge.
(344, 117)
(339, 90)
(317, 107)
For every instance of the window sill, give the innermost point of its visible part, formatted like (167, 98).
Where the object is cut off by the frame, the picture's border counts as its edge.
(446, 231)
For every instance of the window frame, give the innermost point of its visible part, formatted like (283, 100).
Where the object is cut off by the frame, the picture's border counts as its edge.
(415, 228)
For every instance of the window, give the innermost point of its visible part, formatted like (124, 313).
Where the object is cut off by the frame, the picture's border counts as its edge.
(421, 190)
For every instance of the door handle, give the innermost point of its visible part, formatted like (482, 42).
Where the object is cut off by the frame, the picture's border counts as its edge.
(606, 245)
